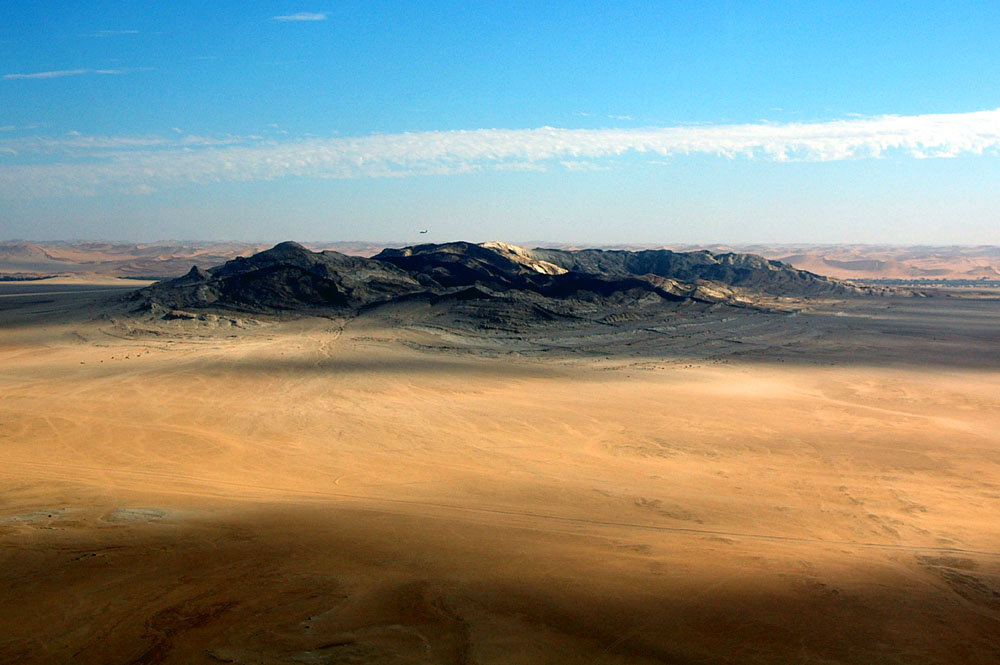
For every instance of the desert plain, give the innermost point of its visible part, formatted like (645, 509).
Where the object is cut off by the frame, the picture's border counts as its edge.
(817, 483)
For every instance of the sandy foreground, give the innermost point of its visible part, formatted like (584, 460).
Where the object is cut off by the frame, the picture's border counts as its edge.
(345, 491)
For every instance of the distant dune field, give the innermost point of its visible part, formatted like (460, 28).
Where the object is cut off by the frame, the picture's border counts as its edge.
(886, 262)
(735, 486)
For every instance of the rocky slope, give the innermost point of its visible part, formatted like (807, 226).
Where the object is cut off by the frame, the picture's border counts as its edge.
(743, 270)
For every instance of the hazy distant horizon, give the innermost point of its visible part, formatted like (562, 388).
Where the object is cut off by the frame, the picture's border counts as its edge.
(520, 243)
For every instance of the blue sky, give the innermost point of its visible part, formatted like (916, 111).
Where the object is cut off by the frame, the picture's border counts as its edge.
(562, 121)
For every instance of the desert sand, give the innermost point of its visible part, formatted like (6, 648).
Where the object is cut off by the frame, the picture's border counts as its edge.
(728, 486)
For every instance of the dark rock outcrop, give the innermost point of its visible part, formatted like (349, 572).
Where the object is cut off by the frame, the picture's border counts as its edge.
(286, 277)
(291, 277)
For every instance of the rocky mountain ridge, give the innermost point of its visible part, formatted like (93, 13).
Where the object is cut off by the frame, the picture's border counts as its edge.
(291, 277)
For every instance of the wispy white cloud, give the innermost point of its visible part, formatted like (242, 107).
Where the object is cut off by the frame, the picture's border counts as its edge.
(581, 165)
(584, 114)
(16, 128)
(59, 73)
(86, 164)
(74, 145)
(301, 16)
(111, 33)
(47, 75)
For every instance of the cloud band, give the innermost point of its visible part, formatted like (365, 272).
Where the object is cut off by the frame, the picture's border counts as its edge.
(301, 16)
(89, 164)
